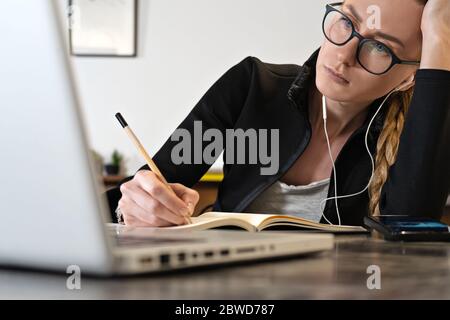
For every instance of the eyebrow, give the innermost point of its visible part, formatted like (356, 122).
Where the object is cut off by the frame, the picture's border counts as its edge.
(376, 33)
(354, 13)
(389, 37)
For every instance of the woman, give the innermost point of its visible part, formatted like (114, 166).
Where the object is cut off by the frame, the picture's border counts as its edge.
(403, 57)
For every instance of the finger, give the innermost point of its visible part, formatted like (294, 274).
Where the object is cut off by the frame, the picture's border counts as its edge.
(150, 183)
(150, 207)
(139, 218)
(128, 219)
(136, 216)
(189, 196)
(156, 223)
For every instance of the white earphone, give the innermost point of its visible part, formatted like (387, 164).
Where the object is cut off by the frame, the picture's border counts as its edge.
(324, 113)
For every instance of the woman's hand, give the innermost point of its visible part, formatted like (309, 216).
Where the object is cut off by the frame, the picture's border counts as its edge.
(435, 27)
(147, 202)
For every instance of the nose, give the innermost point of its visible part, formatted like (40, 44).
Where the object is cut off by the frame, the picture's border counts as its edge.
(346, 54)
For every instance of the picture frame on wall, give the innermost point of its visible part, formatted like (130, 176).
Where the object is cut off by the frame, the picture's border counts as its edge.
(103, 28)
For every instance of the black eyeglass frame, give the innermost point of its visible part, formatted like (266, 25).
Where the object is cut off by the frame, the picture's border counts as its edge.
(395, 60)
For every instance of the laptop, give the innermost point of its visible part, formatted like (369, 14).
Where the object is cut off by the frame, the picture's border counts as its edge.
(54, 214)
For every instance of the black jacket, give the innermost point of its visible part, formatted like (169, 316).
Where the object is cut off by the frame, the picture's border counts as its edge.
(254, 94)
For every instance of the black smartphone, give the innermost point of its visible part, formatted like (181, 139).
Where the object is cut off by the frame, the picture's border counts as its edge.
(407, 228)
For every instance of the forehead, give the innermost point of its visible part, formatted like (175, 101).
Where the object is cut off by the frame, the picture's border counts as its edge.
(399, 18)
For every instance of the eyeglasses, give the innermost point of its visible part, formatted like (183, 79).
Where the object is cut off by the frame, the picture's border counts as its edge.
(374, 56)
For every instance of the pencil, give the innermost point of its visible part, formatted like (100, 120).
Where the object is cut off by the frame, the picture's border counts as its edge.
(144, 153)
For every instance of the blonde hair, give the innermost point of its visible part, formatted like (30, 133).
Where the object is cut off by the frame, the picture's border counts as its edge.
(388, 142)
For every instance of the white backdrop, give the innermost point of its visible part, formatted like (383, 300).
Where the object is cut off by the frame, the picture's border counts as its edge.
(183, 48)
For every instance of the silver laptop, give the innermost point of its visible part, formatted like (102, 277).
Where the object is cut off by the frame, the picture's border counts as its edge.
(53, 212)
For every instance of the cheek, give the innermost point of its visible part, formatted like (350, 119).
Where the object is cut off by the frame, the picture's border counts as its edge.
(374, 87)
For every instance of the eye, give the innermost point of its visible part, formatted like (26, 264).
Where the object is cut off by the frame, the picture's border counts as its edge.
(377, 48)
(346, 22)
(380, 48)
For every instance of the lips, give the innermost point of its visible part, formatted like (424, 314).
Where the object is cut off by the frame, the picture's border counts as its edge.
(336, 75)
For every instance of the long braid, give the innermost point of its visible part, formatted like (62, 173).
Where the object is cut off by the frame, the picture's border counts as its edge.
(387, 145)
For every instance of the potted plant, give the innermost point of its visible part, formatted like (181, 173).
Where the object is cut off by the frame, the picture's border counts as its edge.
(113, 168)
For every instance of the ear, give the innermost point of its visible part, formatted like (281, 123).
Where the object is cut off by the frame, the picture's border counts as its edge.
(407, 83)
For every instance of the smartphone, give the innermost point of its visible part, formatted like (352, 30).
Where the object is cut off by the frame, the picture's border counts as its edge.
(408, 228)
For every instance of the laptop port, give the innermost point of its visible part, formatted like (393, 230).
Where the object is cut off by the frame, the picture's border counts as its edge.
(146, 260)
(246, 250)
(224, 252)
(209, 254)
(164, 259)
(181, 257)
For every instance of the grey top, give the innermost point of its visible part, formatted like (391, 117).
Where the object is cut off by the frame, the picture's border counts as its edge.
(301, 201)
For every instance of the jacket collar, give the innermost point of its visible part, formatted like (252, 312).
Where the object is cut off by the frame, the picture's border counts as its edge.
(298, 93)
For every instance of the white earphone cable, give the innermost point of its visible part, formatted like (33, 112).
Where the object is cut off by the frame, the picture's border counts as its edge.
(332, 160)
(324, 115)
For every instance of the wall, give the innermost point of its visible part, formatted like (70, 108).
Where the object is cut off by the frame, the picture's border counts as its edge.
(184, 47)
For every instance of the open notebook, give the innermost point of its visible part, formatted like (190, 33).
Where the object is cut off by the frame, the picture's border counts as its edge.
(254, 222)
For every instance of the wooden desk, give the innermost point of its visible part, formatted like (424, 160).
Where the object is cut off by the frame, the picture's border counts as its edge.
(408, 271)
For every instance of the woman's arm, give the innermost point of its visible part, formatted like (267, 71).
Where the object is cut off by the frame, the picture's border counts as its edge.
(419, 181)
(436, 35)
(219, 108)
